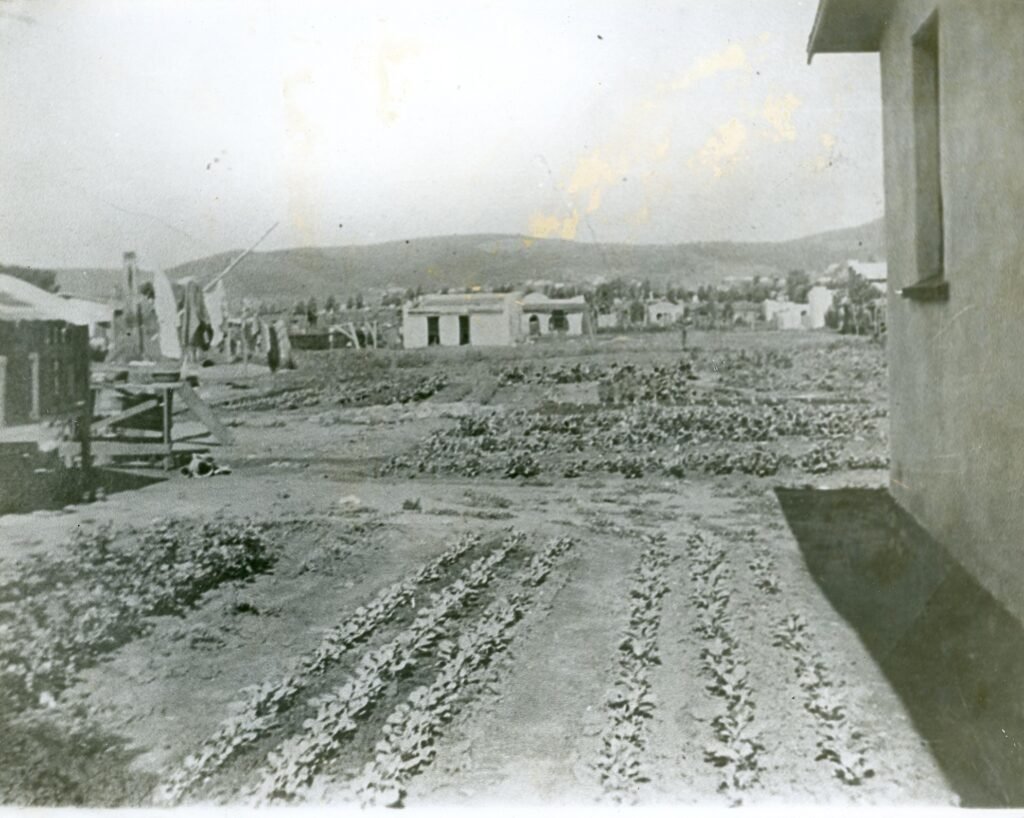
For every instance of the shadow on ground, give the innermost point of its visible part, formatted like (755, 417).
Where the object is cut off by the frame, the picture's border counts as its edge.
(952, 653)
(31, 482)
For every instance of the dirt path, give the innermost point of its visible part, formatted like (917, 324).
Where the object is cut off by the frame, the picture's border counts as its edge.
(533, 742)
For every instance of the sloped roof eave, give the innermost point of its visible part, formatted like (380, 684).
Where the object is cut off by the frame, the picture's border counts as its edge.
(848, 26)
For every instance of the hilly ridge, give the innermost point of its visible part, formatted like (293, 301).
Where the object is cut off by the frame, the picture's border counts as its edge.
(488, 260)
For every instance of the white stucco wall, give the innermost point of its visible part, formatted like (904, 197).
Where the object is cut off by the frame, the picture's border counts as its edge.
(574, 320)
(485, 329)
(956, 371)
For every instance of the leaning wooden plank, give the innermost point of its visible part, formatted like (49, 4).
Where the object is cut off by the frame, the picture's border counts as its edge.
(205, 414)
(138, 409)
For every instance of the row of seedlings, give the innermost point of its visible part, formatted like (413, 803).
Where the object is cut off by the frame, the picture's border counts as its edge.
(411, 731)
(630, 703)
(258, 712)
(761, 565)
(293, 765)
(738, 748)
(840, 743)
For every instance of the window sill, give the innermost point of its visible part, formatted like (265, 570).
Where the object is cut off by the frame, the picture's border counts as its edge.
(935, 288)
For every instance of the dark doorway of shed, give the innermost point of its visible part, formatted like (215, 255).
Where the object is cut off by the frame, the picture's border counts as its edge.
(463, 330)
(558, 322)
(953, 654)
(534, 326)
(433, 330)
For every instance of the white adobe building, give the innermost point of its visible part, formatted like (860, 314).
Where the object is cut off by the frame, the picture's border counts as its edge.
(462, 319)
(545, 316)
(786, 315)
(665, 313)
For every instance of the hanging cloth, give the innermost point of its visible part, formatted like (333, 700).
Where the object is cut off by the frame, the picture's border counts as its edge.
(271, 346)
(166, 307)
(215, 303)
(195, 324)
(284, 344)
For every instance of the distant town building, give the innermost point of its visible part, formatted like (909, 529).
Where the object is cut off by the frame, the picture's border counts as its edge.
(876, 273)
(545, 316)
(609, 320)
(786, 315)
(952, 126)
(465, 319)
(665, 313)
(746, 313)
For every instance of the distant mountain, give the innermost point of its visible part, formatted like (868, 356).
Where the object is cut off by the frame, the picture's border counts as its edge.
(96, 284)
(489, 260)
(44, 279)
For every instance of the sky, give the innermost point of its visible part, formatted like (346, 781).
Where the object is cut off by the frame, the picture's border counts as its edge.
(181, 128)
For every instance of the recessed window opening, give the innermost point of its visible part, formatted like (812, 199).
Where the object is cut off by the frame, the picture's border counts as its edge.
(930, 231)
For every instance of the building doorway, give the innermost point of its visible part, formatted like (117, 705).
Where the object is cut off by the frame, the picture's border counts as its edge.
(534, 326)
(433, 330)
(463, 330)
(558, 322)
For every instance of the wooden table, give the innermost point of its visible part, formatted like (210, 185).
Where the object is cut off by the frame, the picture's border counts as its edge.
(156, 396)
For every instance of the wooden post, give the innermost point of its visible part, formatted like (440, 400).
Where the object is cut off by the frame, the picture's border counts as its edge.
(85, 438)
(33, 359)
(168, 403)
(3, 390)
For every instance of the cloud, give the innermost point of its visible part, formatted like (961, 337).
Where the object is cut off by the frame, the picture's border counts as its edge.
(732, 58)
(823, 161)
(778, 111)
(591, 177)
(724, 149)
(544, 226)
(391, 81)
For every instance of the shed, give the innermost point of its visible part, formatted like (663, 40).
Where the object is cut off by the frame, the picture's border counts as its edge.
(44, 364)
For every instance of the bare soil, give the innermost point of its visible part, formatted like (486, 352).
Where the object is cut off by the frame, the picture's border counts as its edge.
(530, 724)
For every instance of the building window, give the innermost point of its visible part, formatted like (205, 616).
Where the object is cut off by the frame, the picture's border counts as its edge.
(463, 330)
(433, 330)
(928, 152)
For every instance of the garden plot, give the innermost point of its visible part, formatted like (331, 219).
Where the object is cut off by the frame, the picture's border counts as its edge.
(572, 588)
